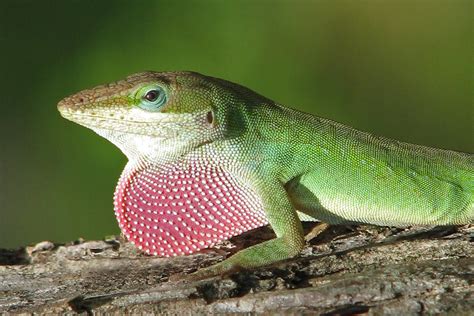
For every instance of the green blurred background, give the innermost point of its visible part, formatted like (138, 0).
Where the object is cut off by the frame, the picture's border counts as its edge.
(401, 69)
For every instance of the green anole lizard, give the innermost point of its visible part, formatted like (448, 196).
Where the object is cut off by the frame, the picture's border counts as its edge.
(210, 159)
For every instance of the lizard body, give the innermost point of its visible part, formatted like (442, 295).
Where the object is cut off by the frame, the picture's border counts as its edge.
(210, 159)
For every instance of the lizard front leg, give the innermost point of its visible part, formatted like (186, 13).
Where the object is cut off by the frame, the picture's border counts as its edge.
(289, 242)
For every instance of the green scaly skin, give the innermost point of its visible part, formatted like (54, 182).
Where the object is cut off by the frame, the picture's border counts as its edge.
(300, 166)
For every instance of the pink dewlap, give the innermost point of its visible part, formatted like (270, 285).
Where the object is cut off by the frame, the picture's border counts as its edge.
(181, 208)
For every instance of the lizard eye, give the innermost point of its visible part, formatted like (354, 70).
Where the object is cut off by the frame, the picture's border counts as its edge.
(152, 99)
(152, 95)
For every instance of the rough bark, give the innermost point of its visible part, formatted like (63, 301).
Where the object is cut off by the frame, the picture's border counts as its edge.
(346, 270)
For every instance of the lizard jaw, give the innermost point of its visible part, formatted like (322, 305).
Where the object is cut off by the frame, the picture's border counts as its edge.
(161, 125)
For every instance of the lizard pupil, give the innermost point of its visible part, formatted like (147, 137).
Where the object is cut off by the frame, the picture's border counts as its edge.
(152, 95)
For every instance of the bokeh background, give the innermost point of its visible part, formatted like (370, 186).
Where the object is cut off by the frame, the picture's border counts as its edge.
(402, 69)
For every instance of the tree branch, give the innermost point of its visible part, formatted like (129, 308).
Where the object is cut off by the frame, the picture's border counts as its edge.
(344, 271)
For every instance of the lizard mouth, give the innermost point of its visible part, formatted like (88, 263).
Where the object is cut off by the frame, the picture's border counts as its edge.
(165, 127)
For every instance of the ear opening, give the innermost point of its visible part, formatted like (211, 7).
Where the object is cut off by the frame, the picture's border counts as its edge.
(210, 118)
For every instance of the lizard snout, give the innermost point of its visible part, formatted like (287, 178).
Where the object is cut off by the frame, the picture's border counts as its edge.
(74, 102)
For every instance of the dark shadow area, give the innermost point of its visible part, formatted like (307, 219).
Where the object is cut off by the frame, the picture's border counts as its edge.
(81, 304)
(349, 310)
(10, 257)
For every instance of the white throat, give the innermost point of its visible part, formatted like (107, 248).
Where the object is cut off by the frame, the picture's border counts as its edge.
(143, 147)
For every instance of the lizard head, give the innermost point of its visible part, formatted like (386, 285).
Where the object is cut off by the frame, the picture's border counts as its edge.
(155, 113)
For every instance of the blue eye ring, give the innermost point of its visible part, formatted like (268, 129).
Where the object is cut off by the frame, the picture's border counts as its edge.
(152, 98)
